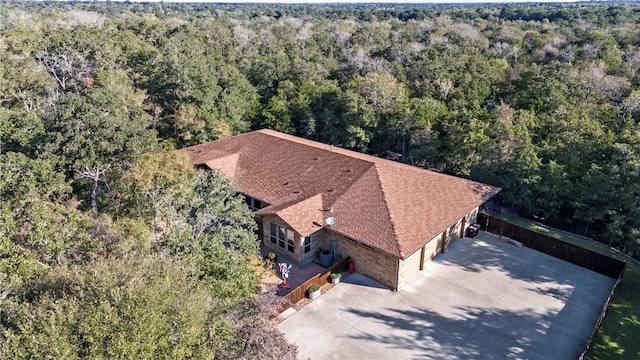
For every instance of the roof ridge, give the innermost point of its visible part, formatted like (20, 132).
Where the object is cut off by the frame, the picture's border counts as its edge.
(326, 147)
(353, 154)
(419, 169)
(386, 204)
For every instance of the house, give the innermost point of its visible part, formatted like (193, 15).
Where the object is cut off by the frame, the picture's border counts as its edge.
(320, 202)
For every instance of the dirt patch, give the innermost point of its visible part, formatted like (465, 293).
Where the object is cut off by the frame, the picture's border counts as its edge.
(268, 276)
(269, 280)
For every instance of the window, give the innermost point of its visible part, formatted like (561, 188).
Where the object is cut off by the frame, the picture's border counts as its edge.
(283, 237)
(290, 244)
(273, 233)
(307, 244)
(254, 204)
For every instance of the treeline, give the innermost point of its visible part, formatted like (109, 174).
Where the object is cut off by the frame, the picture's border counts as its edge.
(542, 100)
(111, 245)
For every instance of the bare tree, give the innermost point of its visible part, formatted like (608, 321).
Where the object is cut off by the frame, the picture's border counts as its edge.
(71, 71)
(445, 86)
(95, 174)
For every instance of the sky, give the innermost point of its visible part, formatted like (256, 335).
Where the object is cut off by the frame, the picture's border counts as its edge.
(375, 2)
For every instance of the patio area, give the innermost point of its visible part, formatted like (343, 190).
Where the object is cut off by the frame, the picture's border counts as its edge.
(297, 275)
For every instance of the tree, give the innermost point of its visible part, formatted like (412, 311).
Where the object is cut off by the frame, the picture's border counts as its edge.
(21, 177)
(57, 233)
(201, 96)
(369, 98)
(198, 217)
(143, 307)
(154, 185)
(97, 135)
(71, 70)
(19, 130)
(216, 231)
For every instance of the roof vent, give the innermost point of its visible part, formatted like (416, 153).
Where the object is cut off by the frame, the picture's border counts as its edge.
(330, 190)
(297, 192)
(285, 183)
(348, 170)
(316, 158)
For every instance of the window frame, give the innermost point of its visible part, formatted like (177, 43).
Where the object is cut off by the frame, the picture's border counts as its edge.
(253, 203)
(306, 244)
(282, 237)
(273, 232)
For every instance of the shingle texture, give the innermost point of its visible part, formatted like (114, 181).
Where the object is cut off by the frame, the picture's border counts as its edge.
(391, 206)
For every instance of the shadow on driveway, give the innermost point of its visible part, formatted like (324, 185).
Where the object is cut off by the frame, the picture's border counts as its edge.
(483, 299)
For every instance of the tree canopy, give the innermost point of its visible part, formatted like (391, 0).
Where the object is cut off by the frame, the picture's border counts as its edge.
(542, 100)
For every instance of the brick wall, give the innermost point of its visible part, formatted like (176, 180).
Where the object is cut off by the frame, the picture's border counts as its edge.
(373, 263)
(408, 267)
(411, 264)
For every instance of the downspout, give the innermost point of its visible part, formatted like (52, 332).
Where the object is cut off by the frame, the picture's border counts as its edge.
(397, 277)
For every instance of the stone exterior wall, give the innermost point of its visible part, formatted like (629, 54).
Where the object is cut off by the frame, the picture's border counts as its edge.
(411, 264)
(317, 243)
(472, 217)
(296, 256)
(432, 248)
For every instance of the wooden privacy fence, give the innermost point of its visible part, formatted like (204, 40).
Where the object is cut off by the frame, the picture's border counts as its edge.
(299, 293)
(551, 246)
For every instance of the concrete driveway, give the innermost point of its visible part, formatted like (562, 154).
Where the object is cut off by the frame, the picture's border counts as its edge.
(483, 299)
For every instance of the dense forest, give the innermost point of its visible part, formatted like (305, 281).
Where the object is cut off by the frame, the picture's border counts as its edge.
(112, 245)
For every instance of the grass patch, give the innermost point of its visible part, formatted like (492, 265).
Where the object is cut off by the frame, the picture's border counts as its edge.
(618, 334)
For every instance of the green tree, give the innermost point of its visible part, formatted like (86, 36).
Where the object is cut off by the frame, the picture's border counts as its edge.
(96, 135)
(201, 96)
(154, 185)
(369, 98)
(145, 307)
(216, 231)
(199, 217)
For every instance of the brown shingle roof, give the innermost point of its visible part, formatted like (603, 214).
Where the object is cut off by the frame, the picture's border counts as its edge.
(385, 204)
